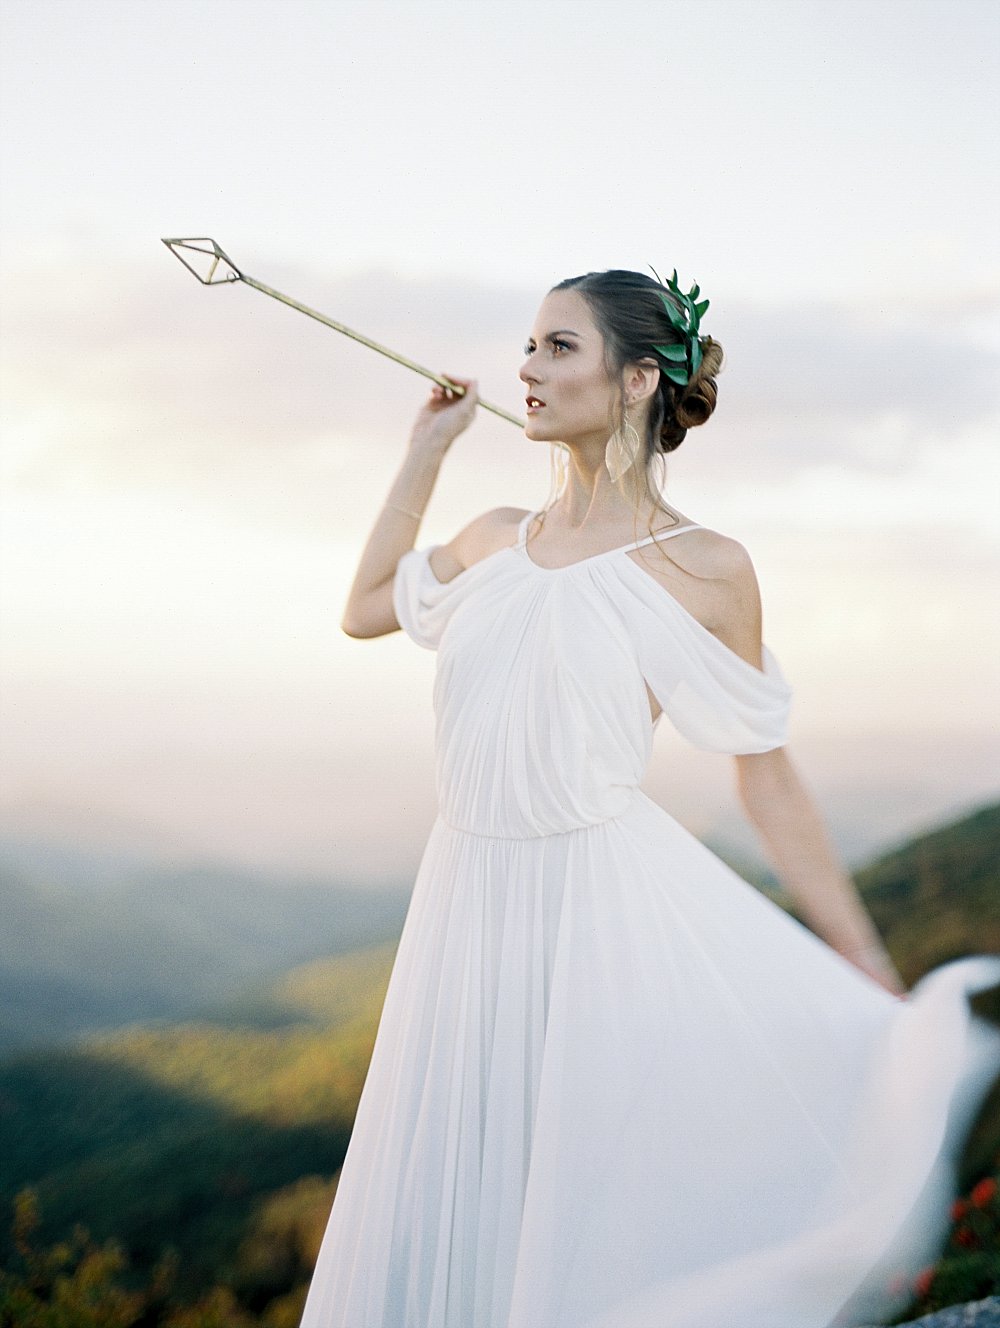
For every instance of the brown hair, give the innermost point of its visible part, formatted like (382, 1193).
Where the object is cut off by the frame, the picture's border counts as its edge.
(629, 313)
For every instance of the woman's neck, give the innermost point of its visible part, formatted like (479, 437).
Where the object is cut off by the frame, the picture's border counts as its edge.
(591, 502)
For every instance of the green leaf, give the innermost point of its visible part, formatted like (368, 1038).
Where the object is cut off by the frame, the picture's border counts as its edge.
(676, 353)
(675, 316)
(678, 376)
(700, 308)
(696, 357)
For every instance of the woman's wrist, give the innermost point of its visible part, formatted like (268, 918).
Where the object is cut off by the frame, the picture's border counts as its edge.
(411, 490)
(870, 947)
(874, 959)
(429, 445)
(406, 511)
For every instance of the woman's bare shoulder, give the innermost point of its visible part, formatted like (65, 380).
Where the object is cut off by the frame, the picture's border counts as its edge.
(713, 577)
(704, 552)
(492, 525)
(483, 535)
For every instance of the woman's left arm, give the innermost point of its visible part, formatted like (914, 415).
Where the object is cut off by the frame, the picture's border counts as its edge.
(805, 861)
(775, 798)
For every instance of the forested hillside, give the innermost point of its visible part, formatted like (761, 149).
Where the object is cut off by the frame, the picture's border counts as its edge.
(203, 1137)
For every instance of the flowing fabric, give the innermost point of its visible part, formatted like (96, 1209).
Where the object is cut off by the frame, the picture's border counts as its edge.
(615, 1086)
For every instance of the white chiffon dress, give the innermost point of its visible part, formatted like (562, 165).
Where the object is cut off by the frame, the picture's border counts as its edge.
(614, 1085)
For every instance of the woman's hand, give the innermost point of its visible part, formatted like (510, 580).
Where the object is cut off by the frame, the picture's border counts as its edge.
(444, 416)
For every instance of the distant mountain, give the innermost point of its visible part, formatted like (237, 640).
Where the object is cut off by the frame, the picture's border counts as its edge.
(91, 942)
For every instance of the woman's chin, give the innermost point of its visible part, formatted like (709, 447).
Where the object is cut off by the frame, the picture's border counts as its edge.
(536, 431)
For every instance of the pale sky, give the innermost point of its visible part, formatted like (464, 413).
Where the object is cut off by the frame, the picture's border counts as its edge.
(188, 474)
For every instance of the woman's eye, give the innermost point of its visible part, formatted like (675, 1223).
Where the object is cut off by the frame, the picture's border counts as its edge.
(556, 343)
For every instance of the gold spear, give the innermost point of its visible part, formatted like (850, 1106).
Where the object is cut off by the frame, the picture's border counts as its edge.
(221, 270)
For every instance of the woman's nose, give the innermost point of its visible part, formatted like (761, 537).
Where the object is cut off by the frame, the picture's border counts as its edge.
(526, 373)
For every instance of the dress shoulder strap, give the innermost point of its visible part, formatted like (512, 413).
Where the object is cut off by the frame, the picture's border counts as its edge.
(522, 529)
(664, 535)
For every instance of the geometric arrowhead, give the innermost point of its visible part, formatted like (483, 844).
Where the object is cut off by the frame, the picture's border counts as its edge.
(205, 259)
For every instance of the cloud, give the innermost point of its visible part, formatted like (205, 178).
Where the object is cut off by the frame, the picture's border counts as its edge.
(145, 377)
(138, 375)
(811, 383)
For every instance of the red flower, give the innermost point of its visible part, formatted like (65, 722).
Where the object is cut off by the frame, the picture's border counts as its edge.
(966, 1237)
(959, 1209)
(924, 1282)
(981, 1194)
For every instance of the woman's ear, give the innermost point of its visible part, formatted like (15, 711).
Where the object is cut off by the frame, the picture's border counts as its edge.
(641, 379)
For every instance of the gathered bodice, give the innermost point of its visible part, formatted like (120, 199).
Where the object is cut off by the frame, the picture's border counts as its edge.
(542, 715)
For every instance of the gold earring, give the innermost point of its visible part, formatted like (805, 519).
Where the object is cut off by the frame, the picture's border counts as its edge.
(622, 449)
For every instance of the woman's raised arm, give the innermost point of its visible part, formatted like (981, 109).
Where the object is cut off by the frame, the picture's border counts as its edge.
(369, 611)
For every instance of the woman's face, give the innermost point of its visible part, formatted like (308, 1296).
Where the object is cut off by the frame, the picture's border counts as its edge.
(570, 397)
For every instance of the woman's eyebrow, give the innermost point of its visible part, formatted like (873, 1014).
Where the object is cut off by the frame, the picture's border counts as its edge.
(561, 332)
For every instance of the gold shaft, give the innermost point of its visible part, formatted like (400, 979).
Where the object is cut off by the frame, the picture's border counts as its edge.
(230, 273)
(374, 345)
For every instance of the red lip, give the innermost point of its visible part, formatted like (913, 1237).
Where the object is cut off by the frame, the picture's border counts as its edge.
(533, 402)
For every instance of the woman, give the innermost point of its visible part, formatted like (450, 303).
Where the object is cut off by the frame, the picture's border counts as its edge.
(613, 1085)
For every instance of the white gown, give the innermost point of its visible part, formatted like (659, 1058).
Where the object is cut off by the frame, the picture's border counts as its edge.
(615, 1086)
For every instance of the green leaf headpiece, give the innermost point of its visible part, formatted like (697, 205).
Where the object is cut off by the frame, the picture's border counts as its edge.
(683, 357)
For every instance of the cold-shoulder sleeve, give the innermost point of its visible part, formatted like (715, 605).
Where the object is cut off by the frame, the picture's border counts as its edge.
(711, 695)
(421, 602)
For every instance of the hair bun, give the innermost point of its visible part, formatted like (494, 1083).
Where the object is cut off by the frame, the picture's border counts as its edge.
(694, 403)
